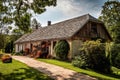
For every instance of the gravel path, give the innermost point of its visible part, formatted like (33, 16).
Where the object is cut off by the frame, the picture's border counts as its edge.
(56, 72)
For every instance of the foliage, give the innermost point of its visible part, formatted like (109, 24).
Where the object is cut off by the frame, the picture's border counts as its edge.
(115, 55)
(9, 47)
(22, 51)
(6, 42)
(94, 56)
(110, 15)
(116, 32)
(35, 24)
(62, 49)
(23, 22)
(81, 60)
(2, 40)
(101, 76)
(17, 32)
(4, 20)
(21, 11)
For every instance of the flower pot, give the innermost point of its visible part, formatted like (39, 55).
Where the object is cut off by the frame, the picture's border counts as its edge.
(6, 59)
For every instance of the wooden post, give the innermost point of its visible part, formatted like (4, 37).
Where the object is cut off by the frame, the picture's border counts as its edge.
(70, 52)
(16, 47)
(51, 47)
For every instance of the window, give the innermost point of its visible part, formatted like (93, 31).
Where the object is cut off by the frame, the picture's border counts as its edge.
(94, 28)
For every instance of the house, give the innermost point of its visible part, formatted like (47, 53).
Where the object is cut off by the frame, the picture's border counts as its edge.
(75, 31)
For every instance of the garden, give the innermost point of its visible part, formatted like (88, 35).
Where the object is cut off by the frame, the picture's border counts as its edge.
(93, 59)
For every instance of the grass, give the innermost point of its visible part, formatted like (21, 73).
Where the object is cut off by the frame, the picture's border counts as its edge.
(19, 71)
(100, 76)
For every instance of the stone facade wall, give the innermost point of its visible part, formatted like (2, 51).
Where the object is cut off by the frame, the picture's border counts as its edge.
(74, 47)
(76, 44)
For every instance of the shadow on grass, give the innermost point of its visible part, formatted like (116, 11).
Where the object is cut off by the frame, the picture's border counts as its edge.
(23, 73)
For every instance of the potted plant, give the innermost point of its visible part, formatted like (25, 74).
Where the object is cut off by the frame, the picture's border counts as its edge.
(6, 58)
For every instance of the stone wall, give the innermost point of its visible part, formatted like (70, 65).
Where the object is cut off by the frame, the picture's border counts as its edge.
(76, 44)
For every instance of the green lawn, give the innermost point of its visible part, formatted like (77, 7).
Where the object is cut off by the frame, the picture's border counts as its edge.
(19, 71)
(100, 76)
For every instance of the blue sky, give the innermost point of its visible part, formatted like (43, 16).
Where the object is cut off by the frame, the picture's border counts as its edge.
(67, 9)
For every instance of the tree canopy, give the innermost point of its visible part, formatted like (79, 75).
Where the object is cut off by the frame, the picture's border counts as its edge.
(110, 15)
(20, 12)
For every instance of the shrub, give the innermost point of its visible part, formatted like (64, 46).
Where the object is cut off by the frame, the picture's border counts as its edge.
(115, 55)
(80, 60)
(94, 56)
(62, 49)
(9, 47)
(21, 51)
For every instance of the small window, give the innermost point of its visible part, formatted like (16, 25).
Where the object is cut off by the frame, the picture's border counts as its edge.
(94, 28)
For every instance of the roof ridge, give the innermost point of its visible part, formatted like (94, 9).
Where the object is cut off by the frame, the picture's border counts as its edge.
(63, 29)
(69, 19)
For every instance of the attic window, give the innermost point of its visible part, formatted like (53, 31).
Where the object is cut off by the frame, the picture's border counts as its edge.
(94, 28)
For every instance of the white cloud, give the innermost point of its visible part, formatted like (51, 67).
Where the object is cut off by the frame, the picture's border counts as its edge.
(68, 7)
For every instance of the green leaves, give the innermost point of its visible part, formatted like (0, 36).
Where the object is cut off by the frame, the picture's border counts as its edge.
(62, 49)
(111, 16)
(20, 11)
(23, 22)
(92, 55)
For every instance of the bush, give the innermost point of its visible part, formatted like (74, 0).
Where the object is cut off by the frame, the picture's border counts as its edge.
(115, 55)
(62, 49)
(94, 57)
(81, 60)
(9, 47)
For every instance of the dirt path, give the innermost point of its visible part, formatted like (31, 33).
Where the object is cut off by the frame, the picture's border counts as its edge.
(56, 72)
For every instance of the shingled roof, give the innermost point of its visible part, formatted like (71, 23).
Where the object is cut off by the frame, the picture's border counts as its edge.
(21, 38)
(61, 30)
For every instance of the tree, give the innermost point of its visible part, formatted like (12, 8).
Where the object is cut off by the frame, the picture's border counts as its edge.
(2, 40)
(17, 32)
(20, 11)
(116, 31)
(4, 18)
(23, 22)
(110, 15)
(9, 47)
(35, 24)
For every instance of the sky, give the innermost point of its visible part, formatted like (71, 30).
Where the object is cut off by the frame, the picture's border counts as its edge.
(67, 9)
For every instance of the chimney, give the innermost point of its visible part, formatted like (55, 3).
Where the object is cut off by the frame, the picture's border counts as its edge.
(49, 23)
